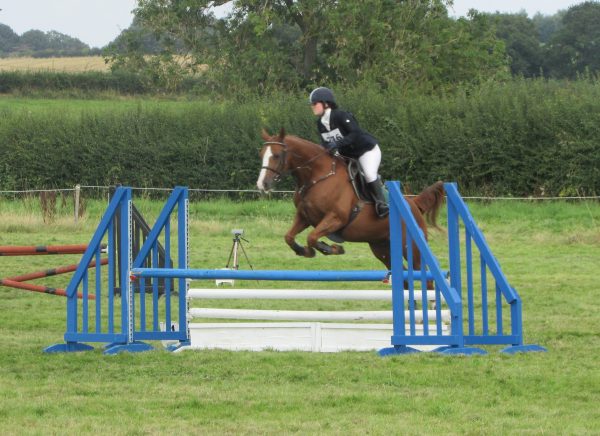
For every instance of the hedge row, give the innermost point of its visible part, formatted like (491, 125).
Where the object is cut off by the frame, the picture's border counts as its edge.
(24, 82)
(86, 82)
(519, 138)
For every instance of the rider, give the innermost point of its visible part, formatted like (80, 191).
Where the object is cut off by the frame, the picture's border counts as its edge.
(340, 131)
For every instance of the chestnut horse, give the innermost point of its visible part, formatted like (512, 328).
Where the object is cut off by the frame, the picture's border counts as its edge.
(325, 200)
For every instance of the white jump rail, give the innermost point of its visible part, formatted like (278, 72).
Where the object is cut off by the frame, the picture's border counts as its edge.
(302, 294)
(309, 315)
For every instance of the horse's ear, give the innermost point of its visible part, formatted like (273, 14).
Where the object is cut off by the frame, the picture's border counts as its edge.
(265, 135)
(282, 134)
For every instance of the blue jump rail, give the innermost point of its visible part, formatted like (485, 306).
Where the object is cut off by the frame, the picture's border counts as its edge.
(281, 275)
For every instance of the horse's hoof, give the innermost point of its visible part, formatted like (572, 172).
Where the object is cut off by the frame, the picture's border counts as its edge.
(338, 249)
(309, 252)
(298, 249)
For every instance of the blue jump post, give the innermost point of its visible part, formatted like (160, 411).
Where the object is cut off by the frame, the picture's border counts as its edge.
(100, 320)
(457, 342)
(505, 297)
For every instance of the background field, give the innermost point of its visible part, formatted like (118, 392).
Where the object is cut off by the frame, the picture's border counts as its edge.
(549, 252)
(75, 64)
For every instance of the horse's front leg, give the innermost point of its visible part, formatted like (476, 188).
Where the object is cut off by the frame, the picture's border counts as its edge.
(329, 224)
(298, 226)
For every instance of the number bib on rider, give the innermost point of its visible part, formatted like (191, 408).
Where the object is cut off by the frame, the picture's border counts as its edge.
(334, 135)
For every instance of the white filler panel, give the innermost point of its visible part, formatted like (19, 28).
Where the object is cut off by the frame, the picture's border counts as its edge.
(294, 336)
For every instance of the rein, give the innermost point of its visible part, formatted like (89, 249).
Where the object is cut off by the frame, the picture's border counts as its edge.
(280, 172)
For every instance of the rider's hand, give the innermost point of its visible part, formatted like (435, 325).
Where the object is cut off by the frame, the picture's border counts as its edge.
(332, 147)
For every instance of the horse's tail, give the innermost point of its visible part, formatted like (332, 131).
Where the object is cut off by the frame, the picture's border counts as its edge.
(429, 202)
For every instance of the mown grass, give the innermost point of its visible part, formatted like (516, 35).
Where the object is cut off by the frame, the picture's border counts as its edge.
(549, 252)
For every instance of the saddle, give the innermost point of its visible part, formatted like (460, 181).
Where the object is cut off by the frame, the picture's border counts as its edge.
(357, 179)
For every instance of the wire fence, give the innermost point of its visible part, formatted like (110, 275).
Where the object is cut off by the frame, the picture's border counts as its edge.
(256, 192)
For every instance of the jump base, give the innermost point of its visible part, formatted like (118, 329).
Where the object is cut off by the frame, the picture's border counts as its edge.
(292, 336)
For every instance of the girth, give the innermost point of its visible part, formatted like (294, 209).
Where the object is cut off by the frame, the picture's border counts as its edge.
(336, 236)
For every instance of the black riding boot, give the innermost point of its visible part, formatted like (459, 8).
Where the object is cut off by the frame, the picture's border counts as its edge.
(381, 206)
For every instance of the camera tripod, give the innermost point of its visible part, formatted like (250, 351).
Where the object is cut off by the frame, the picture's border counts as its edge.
(234, 255)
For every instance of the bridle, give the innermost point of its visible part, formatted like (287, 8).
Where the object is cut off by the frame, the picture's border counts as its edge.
(279, 171)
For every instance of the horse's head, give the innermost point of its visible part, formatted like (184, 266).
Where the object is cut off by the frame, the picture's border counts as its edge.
(274, 160)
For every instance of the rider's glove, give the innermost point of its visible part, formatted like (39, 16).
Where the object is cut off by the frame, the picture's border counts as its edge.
(332, 147)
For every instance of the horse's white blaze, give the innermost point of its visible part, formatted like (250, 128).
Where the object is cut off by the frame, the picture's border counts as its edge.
(263, 171)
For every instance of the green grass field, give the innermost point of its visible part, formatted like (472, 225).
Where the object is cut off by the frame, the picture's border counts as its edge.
(550, 253)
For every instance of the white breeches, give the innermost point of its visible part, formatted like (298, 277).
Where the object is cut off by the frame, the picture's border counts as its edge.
(369, 162)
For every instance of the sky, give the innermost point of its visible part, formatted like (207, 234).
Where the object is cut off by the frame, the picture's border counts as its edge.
(98, 22)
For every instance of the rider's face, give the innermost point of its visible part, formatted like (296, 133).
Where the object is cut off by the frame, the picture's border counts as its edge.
(318, 108)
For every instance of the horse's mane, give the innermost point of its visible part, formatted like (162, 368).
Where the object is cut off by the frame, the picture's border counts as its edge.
(314, 148)
(303, 143)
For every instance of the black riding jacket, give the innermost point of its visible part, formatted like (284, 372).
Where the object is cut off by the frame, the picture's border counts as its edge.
(344, 130)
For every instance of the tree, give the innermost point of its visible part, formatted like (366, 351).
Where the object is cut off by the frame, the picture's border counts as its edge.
(548, 25)
(310, 17)
(412, 42)
(575, 48)
(33, 40)
(52, 43)
(8, 39)
(522, 42)
(254, 25)
(293, 44)
(136, 36)
(467, 51)
(166, 42)
(61, 42)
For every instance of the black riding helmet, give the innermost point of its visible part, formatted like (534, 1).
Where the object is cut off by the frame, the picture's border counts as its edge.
(324, 95)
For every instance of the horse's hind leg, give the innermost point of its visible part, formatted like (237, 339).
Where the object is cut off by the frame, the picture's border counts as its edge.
(381, 250)
(416, 264)
(298, 226)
